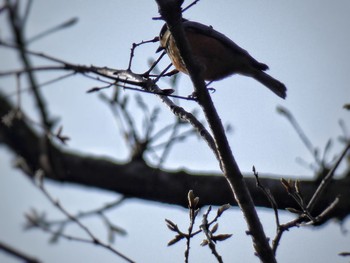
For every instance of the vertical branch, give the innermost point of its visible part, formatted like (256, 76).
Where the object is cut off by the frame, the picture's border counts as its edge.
(17, 25)
(171, 12)
(208, 235)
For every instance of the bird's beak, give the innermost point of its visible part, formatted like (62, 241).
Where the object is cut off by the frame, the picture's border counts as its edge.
(160, 48)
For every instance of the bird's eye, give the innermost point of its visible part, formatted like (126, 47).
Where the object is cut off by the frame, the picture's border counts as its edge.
(162, 31)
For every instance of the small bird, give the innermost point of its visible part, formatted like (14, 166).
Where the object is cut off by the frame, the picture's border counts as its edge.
(218, 55)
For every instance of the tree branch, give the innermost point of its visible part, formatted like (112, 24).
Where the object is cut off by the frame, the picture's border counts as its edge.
(16, 24)
(171, 13)
(18, 254)
(137, 179)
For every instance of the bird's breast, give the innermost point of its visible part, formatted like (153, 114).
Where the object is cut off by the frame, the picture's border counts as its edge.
(215, 59)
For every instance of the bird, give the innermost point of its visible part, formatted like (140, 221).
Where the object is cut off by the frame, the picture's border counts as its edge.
(218, 56)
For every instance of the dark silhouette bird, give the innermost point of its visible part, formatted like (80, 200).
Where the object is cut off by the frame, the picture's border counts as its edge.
(218, 55)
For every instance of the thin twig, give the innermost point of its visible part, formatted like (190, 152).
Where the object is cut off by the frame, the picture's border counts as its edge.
(190, 5)
(18, 254)
(169, 143)
(193, 211)
(45, 83)
(289, 116)
(205, 228)
(281, 229)
(269, 196)
(293, 190)
(328, 210)
(135, 45)
(122, 76)
(326, 180)
(32, 69)
(92, 212)
(162, 73)
(154, 64)
(93, 239)
(17, 29)
(26, 13)
(190, 118)
(54, 29)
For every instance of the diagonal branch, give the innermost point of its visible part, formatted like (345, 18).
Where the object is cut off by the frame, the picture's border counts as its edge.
(171, 13)
(18, 254)
(326, 180)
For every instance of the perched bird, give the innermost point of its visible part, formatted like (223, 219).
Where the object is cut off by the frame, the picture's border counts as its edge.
(218, 55)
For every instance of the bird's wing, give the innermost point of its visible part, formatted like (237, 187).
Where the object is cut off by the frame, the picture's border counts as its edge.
(210, 32)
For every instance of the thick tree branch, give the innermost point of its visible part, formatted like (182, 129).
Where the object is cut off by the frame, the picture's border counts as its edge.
(137, 179)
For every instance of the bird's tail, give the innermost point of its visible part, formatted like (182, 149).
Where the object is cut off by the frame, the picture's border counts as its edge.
(274, 85)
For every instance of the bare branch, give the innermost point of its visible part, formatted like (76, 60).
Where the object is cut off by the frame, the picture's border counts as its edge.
(286, 113)
(70, 22)
(135, 45)
(171, 13)
(170, 187)
(326, 180)
(208, 234)
(17, 29)
(190, 5)
(18, 254)
(210, 239)
(93, 239)
(269, 196)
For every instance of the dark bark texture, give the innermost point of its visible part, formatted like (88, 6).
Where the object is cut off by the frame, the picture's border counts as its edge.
(136, 179)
